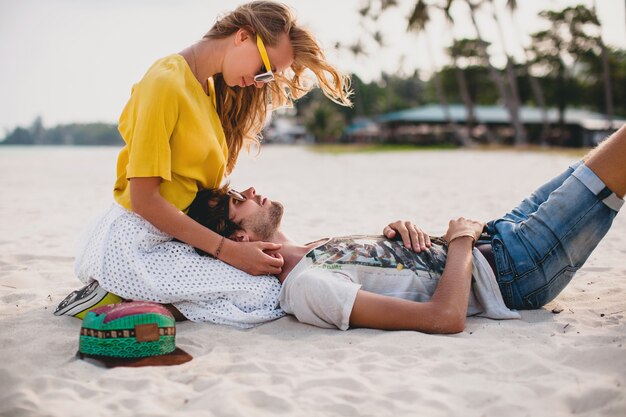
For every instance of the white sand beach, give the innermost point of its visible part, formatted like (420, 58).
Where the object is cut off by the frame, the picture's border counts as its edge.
(546, 364)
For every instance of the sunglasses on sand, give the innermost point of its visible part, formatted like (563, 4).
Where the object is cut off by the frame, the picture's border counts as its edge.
(268, 76)
(236, 195)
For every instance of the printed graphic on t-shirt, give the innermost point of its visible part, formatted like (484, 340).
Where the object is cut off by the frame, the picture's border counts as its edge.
(378, 251)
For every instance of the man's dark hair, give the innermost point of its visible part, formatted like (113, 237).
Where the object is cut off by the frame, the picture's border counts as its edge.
(210, 209)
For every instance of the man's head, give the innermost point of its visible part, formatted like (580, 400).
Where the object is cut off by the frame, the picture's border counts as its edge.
(245, 216)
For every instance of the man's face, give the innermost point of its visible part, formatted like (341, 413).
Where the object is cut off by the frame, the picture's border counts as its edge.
(258, 216)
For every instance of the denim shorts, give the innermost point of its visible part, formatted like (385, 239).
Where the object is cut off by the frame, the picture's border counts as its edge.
(541, 243)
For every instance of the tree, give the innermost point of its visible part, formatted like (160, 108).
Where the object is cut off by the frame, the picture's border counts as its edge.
(324, 121)
(37, 131)
(418, 22)
(568, 38)
(19, 136)
(72, 134)
(455, 51)
(520, 133)
(593, 92)
(536, 89)
(606, 72)
(513, 90)
(546, 52)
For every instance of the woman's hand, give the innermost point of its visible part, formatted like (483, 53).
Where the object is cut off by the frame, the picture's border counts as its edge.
(412, 236)
(255, 258)
(463, 227)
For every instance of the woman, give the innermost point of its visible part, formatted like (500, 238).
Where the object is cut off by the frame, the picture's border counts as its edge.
(184, 126)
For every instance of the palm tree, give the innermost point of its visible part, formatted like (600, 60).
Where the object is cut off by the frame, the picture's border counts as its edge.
(535, 87)
(470, 62)
(548, 50)
(455, 50)
(418, 22)
(606, 72)
(520, 133)
(510, 71)
(551, 46)
(358, 48)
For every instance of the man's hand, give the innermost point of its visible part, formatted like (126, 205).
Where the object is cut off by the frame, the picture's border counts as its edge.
(412, 236)
(464, 227)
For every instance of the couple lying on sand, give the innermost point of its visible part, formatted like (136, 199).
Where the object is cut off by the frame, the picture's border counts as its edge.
(402, 280)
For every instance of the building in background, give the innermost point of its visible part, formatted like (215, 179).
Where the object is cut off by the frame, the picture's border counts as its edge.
(286, 129)
(428, 125)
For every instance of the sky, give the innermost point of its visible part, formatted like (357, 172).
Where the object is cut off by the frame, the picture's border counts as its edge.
(75, 61)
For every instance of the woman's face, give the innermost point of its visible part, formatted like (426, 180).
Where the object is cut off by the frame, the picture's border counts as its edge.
(243, 61)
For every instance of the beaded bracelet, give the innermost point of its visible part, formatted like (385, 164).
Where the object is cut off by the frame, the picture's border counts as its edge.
(219, 248)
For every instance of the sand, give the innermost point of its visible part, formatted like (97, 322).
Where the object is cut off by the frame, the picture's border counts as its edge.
(572, 363)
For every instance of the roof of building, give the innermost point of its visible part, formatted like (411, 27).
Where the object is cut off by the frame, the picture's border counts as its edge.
(362, 125)
(434, 113)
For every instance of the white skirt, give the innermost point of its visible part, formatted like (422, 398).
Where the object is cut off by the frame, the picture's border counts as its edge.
(130, 257)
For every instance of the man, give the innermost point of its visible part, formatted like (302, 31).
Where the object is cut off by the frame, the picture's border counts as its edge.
(375, 281)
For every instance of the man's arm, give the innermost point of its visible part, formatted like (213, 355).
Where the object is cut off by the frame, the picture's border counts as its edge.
(446, 310)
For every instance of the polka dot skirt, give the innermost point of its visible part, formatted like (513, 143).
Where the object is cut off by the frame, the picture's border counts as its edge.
(130, 257)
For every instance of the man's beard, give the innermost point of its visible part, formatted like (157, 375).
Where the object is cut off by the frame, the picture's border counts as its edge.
(266, 223)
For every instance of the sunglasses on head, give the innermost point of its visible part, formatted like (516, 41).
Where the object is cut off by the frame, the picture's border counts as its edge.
(268, 75)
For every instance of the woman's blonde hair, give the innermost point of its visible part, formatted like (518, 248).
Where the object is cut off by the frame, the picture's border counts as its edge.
(243, 111)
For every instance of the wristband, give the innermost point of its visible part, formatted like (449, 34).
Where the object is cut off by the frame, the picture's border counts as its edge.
(463, 235)
(219, 248)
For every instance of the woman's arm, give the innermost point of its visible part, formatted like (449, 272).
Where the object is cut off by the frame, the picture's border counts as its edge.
(250, 257)
(447, 309)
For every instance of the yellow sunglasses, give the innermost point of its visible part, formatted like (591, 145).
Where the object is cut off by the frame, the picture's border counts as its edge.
(268, 76)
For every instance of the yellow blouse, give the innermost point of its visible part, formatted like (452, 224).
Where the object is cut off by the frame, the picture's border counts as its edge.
(172, 130)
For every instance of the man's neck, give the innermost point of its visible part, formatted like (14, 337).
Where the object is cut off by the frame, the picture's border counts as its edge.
(291, 252)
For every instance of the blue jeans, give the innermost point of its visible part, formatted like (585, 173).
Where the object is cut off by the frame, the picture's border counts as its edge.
(541, 243)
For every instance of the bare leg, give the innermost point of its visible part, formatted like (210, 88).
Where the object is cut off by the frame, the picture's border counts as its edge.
(608, 161)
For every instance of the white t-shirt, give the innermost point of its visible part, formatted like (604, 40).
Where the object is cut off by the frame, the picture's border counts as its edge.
(322, 287)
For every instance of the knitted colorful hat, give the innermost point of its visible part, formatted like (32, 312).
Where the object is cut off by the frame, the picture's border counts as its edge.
(133, 333)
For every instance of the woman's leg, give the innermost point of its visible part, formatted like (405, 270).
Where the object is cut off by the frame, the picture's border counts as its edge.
(131, 258)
